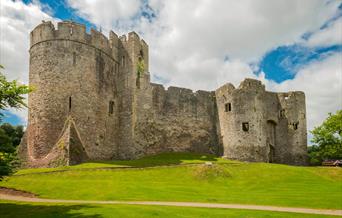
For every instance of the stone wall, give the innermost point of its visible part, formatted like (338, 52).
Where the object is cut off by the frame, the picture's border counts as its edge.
(257, 125)
(94, 94)
(175, 120)
(74, 74)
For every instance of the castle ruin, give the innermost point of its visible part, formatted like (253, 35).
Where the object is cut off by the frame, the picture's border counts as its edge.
(93, 100)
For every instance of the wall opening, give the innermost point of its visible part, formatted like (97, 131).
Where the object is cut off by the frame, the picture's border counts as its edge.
(111, 107)
(69, 103)
(295, 125)
(123, 61)
(271, 154)
(228, 107)
(271, 139)
(74, 58)
(245, 126)
(282, 113)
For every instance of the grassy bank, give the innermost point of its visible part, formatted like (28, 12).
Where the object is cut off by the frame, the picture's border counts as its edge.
(225, 182)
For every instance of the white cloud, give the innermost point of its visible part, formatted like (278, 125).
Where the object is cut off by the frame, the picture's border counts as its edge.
(106, 13)
(16, 22)
(331, 35)
(322, 83)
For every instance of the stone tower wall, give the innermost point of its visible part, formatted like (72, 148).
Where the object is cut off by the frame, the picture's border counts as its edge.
(246, 108)
(294, 116)
(74, 74)
(276, 123)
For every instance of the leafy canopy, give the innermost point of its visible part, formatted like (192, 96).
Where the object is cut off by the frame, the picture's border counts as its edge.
(327, 139)
(11, 96)
(11, 93)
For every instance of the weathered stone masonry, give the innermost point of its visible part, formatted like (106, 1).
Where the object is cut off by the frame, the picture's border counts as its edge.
(93, 100)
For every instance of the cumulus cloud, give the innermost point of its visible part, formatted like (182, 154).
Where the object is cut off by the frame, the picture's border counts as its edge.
(331, 35)
(16, 21)
(189, 40)
(107, 13)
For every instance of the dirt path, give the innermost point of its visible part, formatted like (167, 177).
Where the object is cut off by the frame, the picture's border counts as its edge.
(177, 204)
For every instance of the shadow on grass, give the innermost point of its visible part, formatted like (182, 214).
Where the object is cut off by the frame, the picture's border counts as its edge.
(53, 210)
(163, 159)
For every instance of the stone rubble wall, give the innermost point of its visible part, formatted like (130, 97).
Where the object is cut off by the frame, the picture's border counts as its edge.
(176, 120)
(120, 114)
(251, 103)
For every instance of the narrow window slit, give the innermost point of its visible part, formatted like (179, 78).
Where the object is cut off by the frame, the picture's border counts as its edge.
(228, 107)
(69, 103)
(74, 58)
(111, 107)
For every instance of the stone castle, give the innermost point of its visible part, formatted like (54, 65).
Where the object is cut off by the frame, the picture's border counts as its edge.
(93, 100)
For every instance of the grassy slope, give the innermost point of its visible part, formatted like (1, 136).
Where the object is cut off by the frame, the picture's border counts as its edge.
(227, 181)
(37, 210)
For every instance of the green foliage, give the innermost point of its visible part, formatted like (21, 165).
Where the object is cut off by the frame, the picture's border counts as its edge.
(327, 139)
(10, 137)
(140, 68)
(11, 95)
(14, 133)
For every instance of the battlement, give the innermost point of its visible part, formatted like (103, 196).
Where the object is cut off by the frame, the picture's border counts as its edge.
(132, 38)
(180, 90)
(68, 30)
(251, 84)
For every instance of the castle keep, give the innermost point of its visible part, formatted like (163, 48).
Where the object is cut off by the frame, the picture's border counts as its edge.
(93, 100)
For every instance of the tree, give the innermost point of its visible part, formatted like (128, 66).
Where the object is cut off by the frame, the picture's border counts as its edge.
(11, 96)
(327, 139)
(15, 133)
(11, 93)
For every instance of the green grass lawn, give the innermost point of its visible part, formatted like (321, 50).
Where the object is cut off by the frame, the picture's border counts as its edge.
(224, 182)
(37, 210)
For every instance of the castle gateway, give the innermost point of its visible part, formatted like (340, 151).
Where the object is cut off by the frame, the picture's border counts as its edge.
(93, 100)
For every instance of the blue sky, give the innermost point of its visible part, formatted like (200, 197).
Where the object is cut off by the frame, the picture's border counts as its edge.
(288, 44)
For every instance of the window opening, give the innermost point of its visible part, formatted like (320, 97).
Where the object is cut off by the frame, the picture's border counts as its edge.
(74, 58)
(123, 61)
(111, 107)
(245, 126)
(228, 107)
(295, 125)
(69, 103)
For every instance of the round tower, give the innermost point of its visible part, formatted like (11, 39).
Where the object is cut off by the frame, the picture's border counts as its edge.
(74, 75)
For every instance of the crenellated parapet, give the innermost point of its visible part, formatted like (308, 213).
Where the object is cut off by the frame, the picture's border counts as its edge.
(71, 31)
(76, 32)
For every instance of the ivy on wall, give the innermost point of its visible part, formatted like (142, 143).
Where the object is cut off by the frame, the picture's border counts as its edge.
(140, 68)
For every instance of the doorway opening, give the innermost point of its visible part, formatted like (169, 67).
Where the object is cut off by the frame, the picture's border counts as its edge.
(271, 140)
